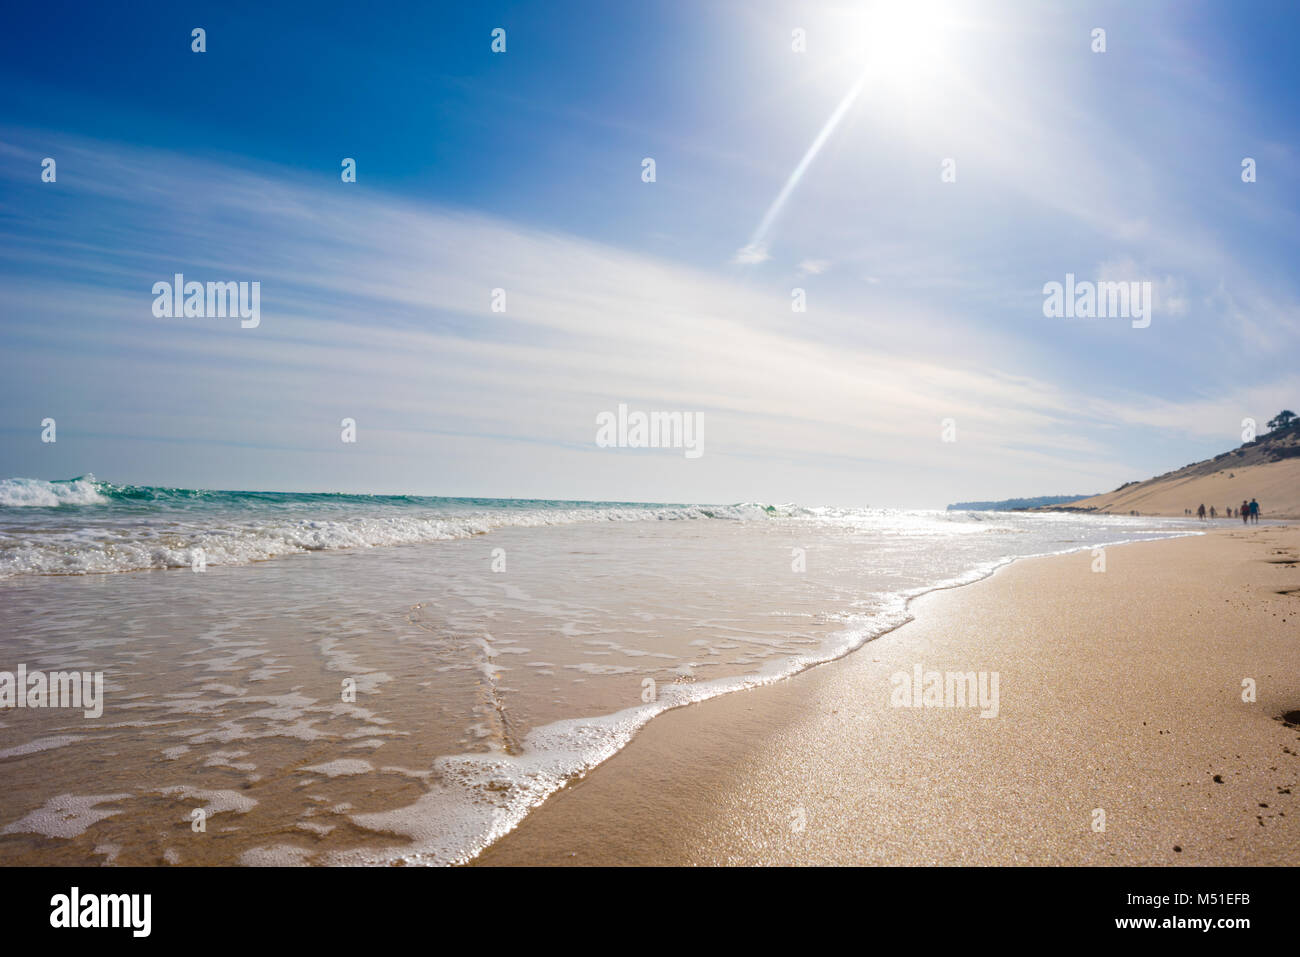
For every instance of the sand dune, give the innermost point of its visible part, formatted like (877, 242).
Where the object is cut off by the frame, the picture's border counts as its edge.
(1275, 485)
(1267, 469)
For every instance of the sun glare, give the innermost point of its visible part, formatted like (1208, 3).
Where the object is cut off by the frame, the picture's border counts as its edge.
(901, 41)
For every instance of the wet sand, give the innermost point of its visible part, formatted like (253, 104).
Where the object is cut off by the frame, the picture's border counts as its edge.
(1119, 693)
(409, 704)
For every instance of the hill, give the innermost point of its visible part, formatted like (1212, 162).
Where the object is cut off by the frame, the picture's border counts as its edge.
(1013, 504)
(1267, 469)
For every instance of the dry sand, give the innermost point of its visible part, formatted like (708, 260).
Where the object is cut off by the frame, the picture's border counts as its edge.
(1119, 691)
(1276, 485)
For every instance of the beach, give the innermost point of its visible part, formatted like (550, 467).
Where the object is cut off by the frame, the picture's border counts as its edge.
(1121, 692)
(283, 678)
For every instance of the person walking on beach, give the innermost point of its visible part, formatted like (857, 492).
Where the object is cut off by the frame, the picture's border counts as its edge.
(1213, 514)
(1200, 513)
(1254, 511)
(1244, 511)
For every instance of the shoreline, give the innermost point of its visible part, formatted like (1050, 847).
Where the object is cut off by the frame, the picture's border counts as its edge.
(614, 731)
(628, 723)
(820, 768)
(504, 670)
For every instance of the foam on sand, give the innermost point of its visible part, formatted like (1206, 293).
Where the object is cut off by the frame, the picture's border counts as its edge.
(215, 801)
(40, 744)
(67, 815)
(340, 767)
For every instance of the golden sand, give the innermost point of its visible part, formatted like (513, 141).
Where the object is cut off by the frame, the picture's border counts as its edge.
(1121, 694)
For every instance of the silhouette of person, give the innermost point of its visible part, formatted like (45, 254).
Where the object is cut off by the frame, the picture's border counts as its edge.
(1200, 513)
(1254, 511)
(1244, 511)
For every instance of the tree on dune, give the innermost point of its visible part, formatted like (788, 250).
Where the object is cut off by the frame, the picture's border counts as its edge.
(1281, 420)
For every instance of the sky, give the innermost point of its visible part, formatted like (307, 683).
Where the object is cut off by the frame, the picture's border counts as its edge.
(917, 171)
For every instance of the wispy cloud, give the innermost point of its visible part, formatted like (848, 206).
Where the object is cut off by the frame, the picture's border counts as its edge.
(751, 255)
(379, 308)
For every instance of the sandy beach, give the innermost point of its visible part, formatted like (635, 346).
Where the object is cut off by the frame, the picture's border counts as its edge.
(1120, 694)
(415, 701)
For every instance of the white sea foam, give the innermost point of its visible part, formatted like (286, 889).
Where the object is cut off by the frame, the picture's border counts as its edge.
(213, 801)
(34, 493)
(341, 767)
(481, 797)
(40, 744)
(66, 815)
(81, 542)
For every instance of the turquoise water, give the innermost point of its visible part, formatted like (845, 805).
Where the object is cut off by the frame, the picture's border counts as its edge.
(89, 491)
(84, 525)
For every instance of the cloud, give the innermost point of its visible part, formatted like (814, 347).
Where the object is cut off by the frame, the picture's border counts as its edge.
(1169, 294)
(751, 255)
(378, 308)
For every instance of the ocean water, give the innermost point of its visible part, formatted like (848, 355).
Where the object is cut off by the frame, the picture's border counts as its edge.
(83, 525)
(400, 679)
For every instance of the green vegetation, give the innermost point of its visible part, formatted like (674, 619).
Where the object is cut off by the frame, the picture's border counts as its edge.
(1282, 420)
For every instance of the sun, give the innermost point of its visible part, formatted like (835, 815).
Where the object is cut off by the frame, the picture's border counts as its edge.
(901, 42)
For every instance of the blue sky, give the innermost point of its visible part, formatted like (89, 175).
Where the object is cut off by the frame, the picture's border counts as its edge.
(522, 171)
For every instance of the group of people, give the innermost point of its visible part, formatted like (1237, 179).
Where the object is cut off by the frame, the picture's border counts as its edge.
(1247, 511)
